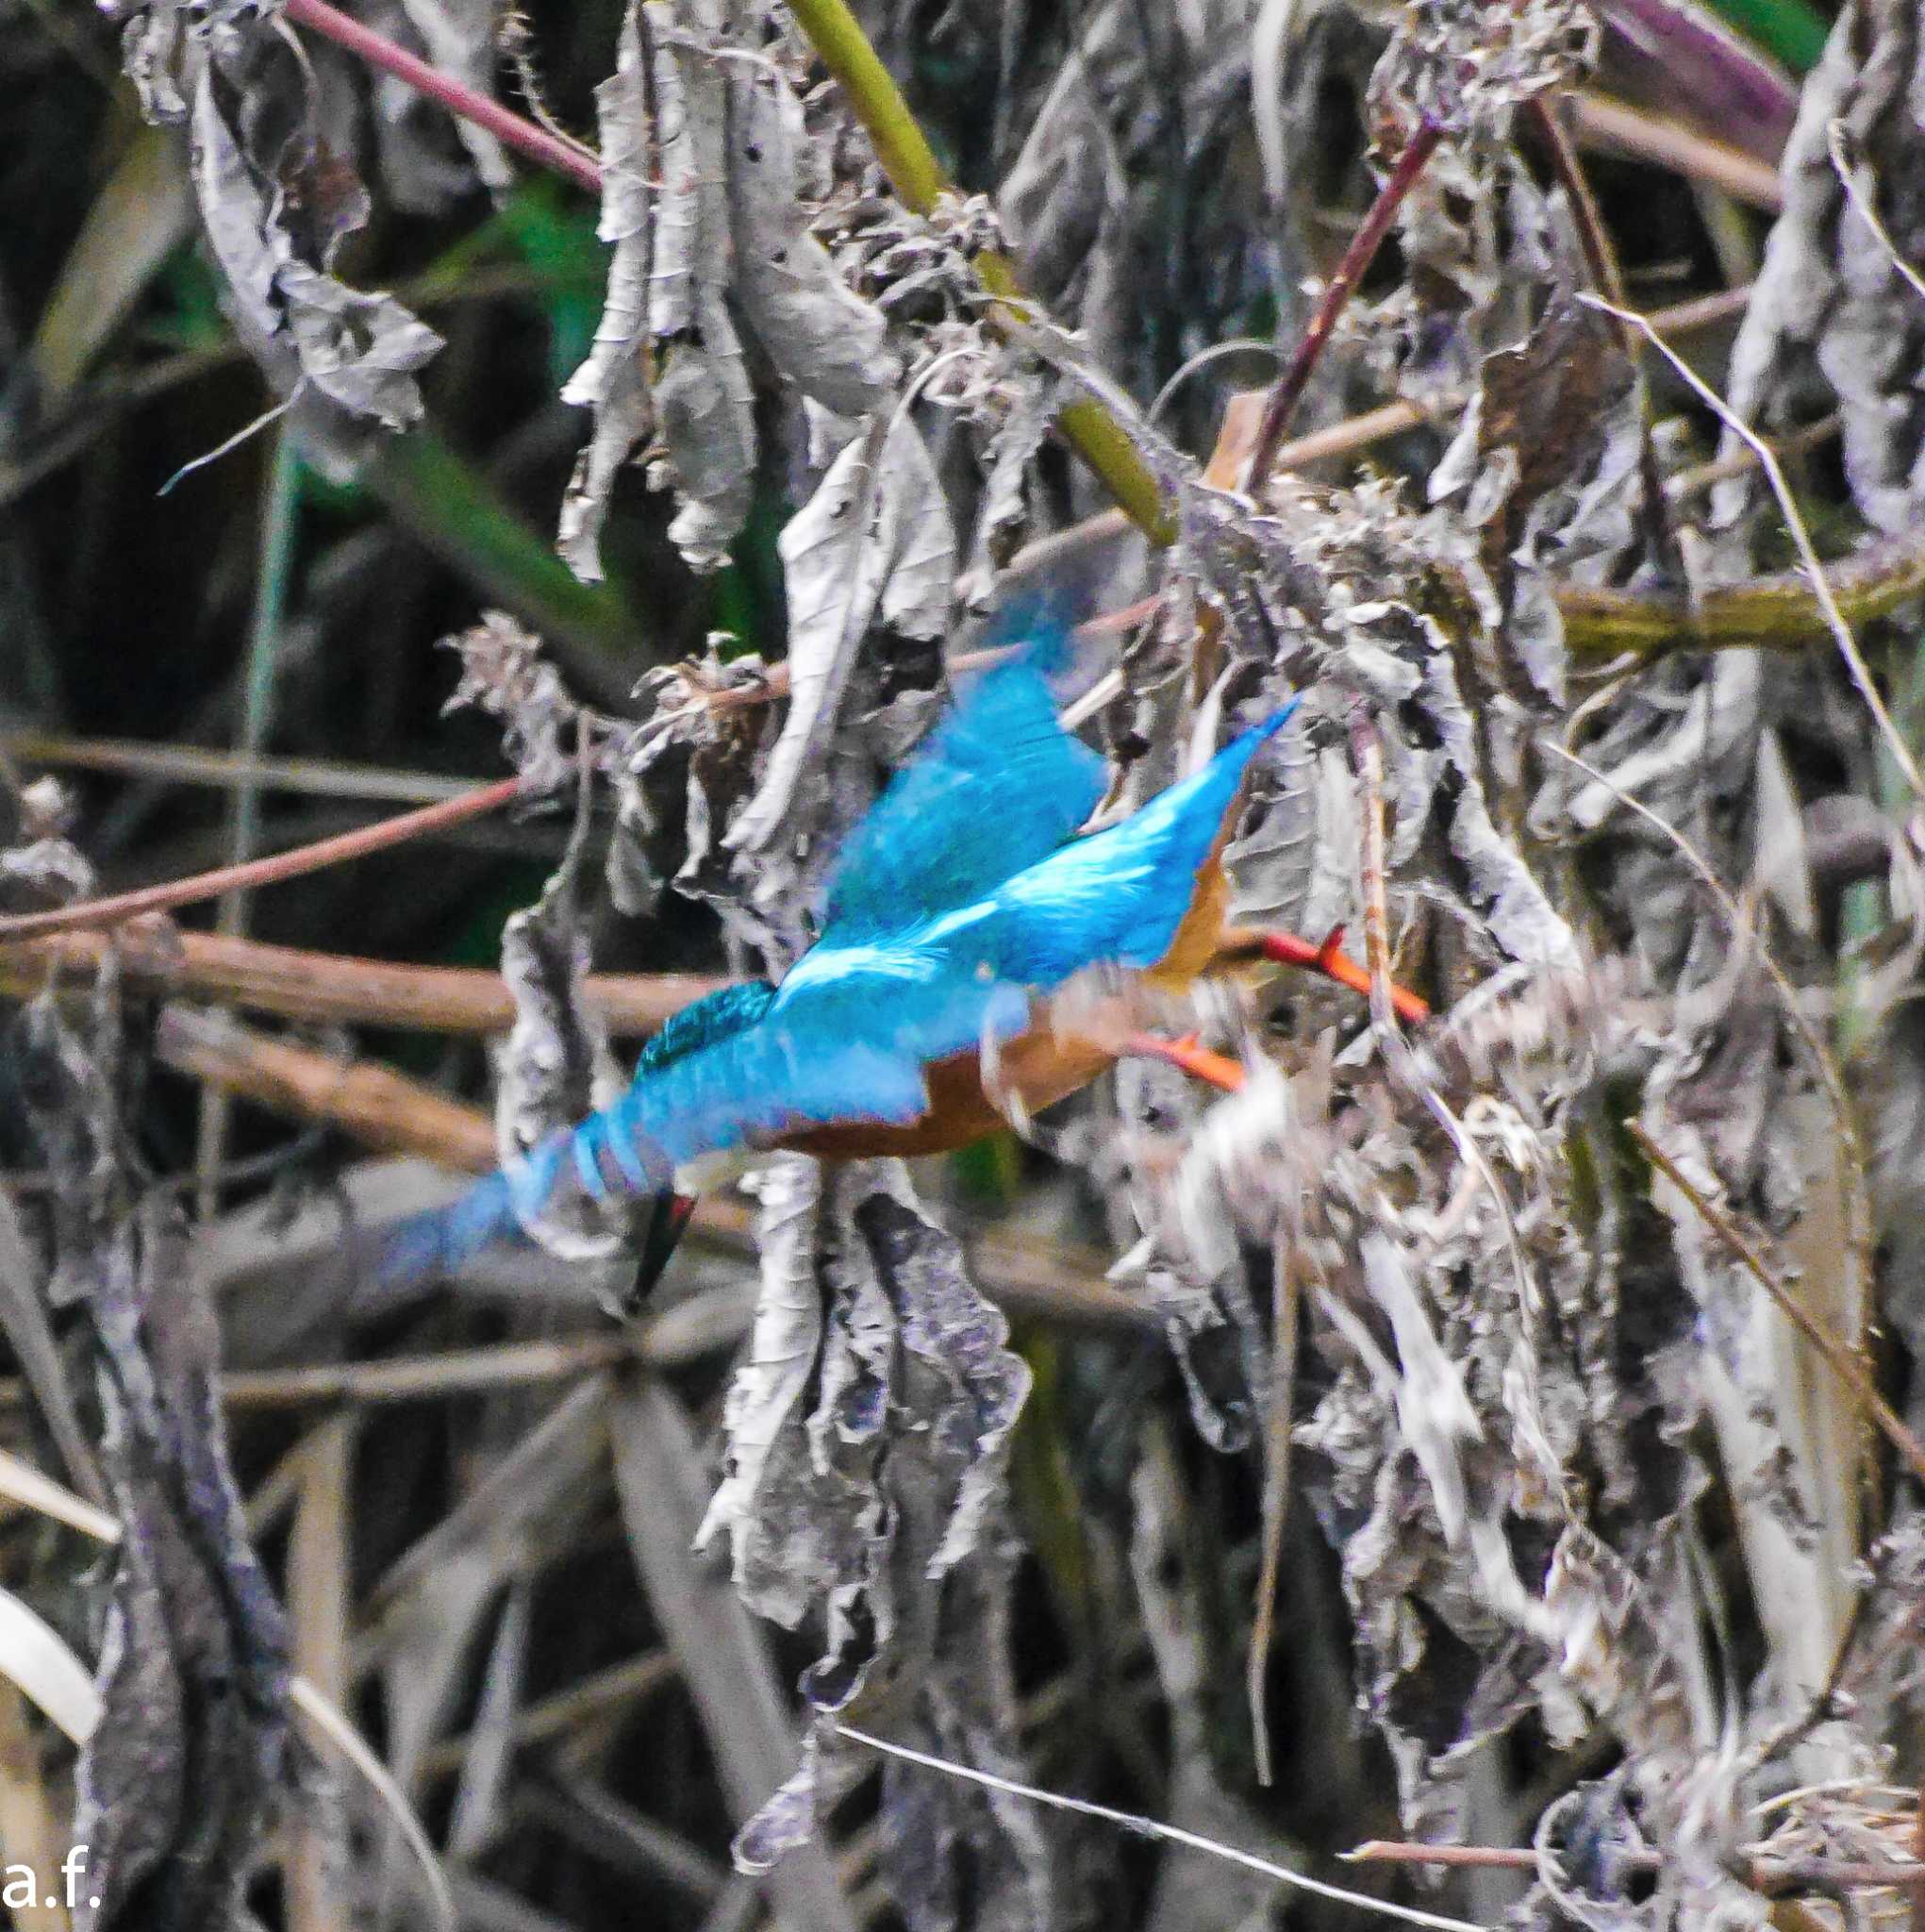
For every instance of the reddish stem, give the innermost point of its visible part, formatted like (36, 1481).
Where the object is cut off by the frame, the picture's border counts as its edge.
(1357, 260)
(264, 872)
(507, 126)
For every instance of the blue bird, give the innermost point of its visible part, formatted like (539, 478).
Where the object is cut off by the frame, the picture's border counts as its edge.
(958, 907)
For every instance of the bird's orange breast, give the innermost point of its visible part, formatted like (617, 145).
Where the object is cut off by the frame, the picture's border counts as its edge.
(1037, 1069)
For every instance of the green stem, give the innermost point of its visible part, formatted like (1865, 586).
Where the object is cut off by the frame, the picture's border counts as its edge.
(918, 178)
(1780, 611)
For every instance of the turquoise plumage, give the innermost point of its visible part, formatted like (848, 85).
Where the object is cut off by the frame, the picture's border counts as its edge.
(961, 899)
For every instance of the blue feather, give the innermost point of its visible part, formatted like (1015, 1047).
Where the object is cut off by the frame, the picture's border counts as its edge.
(996, 786)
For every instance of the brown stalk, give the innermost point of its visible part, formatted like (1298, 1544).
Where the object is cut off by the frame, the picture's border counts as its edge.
(1765, 1874)
(1614, 127)
(335, 988)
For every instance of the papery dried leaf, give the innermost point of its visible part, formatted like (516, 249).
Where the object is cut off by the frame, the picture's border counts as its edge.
(874, 539)
(554, 1069)
(868, 1437)
(703, 396)
(459, 39)
(175, 1779)
(1547, 463)
(614, 381)
(503, 672)
(1469, 67)
(708, 413)
(685, 201)
(818, 332)
(276, 202)
(1011, 451)
(1830, 299)
(45, 867)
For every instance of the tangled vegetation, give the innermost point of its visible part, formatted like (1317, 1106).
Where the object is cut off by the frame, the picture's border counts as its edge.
(1454, 1389)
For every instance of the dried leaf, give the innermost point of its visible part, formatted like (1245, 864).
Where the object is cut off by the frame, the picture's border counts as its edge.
(1830, 301)
(874, 541)
(702, 397)
(555, 1068)
(276, 202)
(819, 333)
(614, 381)
(868, 1433)
(503, 672)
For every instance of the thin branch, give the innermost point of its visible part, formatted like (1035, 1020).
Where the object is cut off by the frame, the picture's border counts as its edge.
(551, 151)
(335, 988)
(1706, 475)
(378, 1106)
(1766, 1872)
(1357, 260)
(193, 764)
(1841, 1360)
(1152, 1828)
(1783, 610)
(1613, 128)
(266, 871)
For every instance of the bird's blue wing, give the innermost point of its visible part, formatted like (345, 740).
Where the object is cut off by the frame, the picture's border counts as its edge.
(1118, 896)
(848, 1035)
(996, 786)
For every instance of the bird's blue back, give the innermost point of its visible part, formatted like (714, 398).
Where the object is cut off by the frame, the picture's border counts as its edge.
(962, 896)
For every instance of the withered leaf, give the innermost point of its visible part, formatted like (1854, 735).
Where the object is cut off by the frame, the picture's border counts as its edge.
(876, 539)
(817, 331)
(614, 381)
(276, 202)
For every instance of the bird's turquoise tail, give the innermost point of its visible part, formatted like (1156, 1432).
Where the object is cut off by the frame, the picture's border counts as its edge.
(427, 1246)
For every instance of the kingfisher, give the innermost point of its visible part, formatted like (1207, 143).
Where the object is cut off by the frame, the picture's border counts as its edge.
(956, 914)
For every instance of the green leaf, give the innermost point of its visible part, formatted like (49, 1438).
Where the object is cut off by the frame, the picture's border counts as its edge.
(1793, 30)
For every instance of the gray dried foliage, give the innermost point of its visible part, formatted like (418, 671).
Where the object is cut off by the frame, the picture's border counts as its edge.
(696, 90)
(869, 1429)
(1834, 316)
(429, 158)
(504, 673)
(276, 201)
(554, 1068)
(176, 1784)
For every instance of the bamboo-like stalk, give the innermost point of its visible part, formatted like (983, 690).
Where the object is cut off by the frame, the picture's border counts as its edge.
(336, 988)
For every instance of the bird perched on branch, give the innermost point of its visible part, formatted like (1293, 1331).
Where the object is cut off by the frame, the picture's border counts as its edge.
(960, 905)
